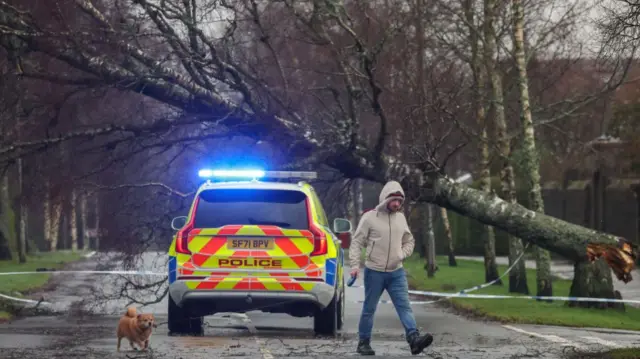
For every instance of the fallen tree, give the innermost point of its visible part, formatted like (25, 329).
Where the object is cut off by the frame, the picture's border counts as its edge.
(202, 66)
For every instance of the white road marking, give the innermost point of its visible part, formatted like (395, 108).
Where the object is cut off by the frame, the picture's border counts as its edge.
(601, 341)
(266, 354)
(549, 337)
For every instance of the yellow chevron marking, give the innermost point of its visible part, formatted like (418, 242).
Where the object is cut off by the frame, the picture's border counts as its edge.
(271, 284)
(228, 283)
(209, 231)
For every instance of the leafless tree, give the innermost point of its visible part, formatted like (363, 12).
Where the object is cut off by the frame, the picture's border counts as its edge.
(236, 66)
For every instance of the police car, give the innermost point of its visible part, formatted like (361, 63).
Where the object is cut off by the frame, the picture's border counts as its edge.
(256, 240)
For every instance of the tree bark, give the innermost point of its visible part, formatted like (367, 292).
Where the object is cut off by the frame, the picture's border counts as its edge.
(73, 220)
(6, 252)
(517, 276)
(593, 280)
(83, 219)
(447, 233)
(487, 234)
(567, 239)
(56, 215)
(97, 224)
(46, 206)
(22, 223)
(531, 160)
(355, 204)
(5, 249)
(431, 265)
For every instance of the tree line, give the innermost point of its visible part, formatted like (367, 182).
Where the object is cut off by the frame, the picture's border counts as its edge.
(128, 97)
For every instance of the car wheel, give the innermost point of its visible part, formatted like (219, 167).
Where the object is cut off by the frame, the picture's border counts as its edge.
(179, 323)
(325, 322)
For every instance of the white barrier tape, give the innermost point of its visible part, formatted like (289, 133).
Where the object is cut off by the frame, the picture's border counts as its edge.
(28, 301)
(481, 286)
(87, 272)
(491, 296)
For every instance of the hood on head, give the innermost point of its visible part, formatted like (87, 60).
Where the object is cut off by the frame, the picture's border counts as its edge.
(386, 194)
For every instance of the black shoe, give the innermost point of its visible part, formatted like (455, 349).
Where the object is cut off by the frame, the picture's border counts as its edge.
(364, 347)
(418, 343)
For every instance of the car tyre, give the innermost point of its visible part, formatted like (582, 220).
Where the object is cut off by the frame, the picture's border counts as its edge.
(179, 323)
(325, 322)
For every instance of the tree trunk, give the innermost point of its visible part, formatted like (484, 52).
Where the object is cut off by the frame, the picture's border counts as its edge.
(431, 265)
(22, 224)
(46, 206)
(488, 234)
(73, 220)
(9, 220)
(5, 249)
(6, 252)
(356, 201)
(567, 239)
(531, 160)
(517, 276)
(83, 219)
(56, 215)
(447, 233)
(97, 224)
(593, 280)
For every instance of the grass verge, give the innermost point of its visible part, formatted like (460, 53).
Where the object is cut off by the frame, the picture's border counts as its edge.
(21, 285)
(471, 273)
(623, 353)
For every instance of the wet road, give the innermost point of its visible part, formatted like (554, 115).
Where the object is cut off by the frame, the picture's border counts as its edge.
(76, 334)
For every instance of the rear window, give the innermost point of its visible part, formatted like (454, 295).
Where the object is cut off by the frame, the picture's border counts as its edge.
(221, 207)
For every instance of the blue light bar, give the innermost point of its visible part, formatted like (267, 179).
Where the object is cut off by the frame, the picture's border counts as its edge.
(255, 174)
(206, 173)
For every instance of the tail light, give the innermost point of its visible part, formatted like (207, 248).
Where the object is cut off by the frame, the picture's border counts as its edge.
(320, 239)
(182, 240)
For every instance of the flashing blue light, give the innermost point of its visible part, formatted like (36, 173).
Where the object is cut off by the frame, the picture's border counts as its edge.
(207, 173)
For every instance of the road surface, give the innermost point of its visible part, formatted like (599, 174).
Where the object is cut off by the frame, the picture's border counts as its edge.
(76, 334)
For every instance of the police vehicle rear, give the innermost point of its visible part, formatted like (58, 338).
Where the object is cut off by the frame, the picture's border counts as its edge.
(256, 240)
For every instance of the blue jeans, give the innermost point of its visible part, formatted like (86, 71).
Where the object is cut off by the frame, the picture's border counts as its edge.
(395, 283)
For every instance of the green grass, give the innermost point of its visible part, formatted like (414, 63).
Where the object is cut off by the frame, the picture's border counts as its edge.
(471, 273)
(19, 285)
(623, 353)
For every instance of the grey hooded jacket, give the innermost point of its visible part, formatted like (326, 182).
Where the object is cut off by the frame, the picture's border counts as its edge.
(386, 236)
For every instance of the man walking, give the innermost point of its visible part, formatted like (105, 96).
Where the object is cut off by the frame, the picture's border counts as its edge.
(385, 234)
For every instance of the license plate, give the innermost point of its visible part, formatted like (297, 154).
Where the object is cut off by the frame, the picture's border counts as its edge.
(250, 243)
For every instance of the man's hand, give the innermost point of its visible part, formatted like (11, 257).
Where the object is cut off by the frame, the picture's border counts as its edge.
(355, 272)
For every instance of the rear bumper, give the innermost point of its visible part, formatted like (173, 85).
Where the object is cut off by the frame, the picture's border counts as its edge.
(218, 300)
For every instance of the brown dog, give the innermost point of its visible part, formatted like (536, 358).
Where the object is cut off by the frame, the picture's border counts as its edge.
(135, 327)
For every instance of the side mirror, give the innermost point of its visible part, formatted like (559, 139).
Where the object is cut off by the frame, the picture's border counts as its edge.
(341, 225)
(178, 222)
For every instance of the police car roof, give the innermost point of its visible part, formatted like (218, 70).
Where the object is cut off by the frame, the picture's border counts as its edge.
(253, 185)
